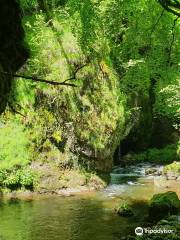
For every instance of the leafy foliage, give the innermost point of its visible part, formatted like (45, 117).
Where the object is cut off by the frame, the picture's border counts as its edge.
(17, 178)
(168, 102)
(55, 54)
(164, 155)
(13, 144)
(118, 53)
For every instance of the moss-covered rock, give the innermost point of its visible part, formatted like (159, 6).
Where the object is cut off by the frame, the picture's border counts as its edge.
(163, 204)
(172, 171)
(124, 210)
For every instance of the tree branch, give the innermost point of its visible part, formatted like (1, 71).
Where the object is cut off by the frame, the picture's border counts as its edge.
(157, 22)
(173, 39)
(78, 68)
(35, 79)
(12, 107)
(14, 110)
(171, 6)
(173, 3)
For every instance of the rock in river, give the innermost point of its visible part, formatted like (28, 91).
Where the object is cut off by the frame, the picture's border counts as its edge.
(163, 204)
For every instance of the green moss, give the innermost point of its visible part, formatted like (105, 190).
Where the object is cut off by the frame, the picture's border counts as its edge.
(174, 167)
(154, 155)
(163, 204)
(55, 54)
(125, 210)
(123, 79)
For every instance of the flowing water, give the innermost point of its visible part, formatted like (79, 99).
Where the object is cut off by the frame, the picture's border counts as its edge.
(85, 216)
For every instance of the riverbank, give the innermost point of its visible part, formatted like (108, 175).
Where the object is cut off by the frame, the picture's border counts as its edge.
(137, 182)
(35, 195)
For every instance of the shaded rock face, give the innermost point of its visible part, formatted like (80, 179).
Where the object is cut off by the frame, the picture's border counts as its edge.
(13, 52)
(149, 131)
(140, 136)
(163, 133)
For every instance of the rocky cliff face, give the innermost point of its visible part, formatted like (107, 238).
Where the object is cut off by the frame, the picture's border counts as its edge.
(13, 52)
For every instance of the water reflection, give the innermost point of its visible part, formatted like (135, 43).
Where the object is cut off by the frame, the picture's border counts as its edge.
(57, 218)
(82, 217)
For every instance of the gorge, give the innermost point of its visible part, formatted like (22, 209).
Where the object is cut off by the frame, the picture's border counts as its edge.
(87, 87)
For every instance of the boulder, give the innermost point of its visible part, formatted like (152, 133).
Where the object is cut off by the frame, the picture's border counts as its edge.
(172, 171)
(162, 205)
(171, 175)
(151, 171)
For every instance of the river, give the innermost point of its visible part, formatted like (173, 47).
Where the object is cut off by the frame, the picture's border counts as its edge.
(84, 216)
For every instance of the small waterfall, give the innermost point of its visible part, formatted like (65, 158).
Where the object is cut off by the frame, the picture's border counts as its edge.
(138, 181)
(134, 172)
(117, 156)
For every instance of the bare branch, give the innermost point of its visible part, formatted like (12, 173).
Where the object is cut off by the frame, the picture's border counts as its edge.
(74, 77)
(14, 110)
(12, 107)
(35, 79)
(157, 22)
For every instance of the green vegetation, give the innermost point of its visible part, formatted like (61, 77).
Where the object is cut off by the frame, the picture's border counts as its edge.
(121, 61)
(163, 204)
(15, 179)
(125, 210)
(164, 156)
(173, 167)
(86, 85)
(14, 143)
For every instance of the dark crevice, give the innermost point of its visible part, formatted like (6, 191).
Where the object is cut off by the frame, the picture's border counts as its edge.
(13, 50)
